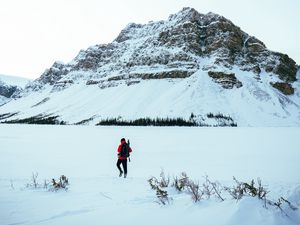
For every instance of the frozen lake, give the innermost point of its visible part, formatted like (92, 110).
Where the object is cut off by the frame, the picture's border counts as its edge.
(87, 156)
(269, 153)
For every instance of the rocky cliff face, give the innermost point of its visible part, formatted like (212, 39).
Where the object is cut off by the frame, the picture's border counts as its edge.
(8, 90)
(177, 48)
(10, 87)
(203, 49)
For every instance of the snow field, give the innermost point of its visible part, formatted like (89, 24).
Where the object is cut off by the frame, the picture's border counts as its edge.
(87, 156)
(259, 104)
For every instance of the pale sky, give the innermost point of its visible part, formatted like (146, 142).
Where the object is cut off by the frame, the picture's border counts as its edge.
(35, 33)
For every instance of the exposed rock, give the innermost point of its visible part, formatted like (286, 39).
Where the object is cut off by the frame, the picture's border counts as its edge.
(227, 81)
(104, 85)
(186, 14)
(286, 68)
(254, 45)
(132, 82)
(60, 85)
(182, 50)
(158, 75)
(94, 57)
(185, 35)
(285, 88)
(7, 90)
(174, 47)
(41, 102)
(256, 69)
(163, 75)
(121, 77)
(55, 73)
(126, 33)
(10, 88)
(93, 82)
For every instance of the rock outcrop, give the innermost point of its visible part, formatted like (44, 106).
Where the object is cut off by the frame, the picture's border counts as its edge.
(227, 81)
(284, 88)
(191, 63)
(10, 87)
(179, 44)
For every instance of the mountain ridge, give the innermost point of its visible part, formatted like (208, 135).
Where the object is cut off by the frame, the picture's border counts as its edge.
(187, 48)
(11, 86)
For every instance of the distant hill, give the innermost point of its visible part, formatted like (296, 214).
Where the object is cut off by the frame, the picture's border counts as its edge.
(10, 86)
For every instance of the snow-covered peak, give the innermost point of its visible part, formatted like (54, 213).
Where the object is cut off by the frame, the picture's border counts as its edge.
(186, 14)
(191, 63)
(10, 86)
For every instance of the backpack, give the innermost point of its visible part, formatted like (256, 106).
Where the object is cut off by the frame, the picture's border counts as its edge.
(124, 150)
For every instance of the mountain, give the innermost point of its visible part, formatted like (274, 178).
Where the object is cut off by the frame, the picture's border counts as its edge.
(10, 87)
(192, 65)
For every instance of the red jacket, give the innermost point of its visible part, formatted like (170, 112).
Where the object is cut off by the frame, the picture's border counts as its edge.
(119, 151)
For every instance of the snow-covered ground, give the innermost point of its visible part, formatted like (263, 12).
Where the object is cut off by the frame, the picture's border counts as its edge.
(87, 156)
(258, 104)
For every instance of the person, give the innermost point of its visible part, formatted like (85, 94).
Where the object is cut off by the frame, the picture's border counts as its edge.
(123, 153)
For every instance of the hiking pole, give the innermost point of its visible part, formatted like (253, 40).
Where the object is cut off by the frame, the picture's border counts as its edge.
(128, 142)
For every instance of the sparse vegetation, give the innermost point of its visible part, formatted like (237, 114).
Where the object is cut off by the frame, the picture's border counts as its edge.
(159, 184)
(162, 196)
(223, 121)
(39, 119)
(7, 115)
(84, 122)
(281, 203)
(194, 190)
(61, 184)
(148, 122)
(191, 122)
(180, 182)
(183, 184)
(242, 189)
(212, 188)
(34, 183)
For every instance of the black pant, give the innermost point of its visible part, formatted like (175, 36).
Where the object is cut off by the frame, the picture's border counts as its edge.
(124, 164)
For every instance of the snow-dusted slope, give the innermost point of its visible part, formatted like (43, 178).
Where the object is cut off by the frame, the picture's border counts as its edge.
(10, 85)
(191, 63)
